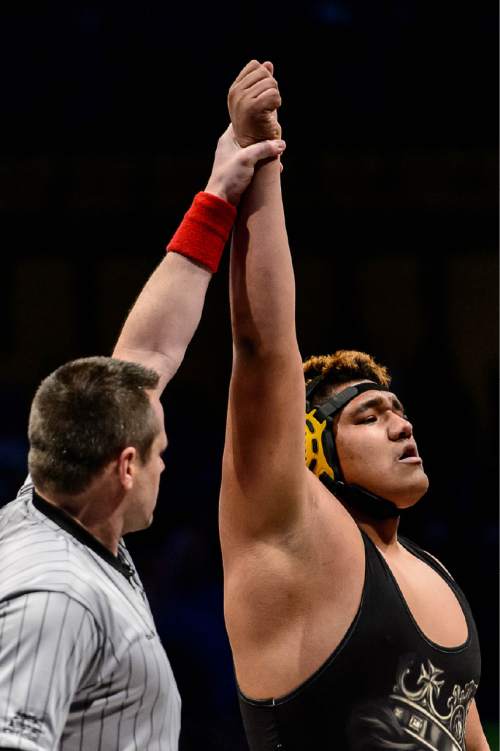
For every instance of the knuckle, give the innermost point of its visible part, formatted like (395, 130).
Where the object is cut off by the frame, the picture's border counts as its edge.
(244, 158)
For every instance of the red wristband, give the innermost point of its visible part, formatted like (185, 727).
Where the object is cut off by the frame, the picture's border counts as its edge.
(204, 231)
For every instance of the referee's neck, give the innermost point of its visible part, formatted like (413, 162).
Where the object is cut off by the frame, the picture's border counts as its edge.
(100, 510)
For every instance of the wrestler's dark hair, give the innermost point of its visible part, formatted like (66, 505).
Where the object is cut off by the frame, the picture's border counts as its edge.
(83, 415)
(343, 366)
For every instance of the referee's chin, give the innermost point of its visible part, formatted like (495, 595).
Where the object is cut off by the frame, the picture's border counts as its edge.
(148, 522)
(137, 526)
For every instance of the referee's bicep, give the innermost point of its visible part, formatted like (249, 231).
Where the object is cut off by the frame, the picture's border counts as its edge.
(48, 642)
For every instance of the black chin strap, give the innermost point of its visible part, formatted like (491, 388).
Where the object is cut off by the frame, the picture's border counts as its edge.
(368, 503)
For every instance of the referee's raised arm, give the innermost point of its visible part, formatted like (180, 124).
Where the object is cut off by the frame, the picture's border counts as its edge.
(81, 663)
(167, 312)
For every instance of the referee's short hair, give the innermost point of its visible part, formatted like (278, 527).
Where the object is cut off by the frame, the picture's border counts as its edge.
(83, 415)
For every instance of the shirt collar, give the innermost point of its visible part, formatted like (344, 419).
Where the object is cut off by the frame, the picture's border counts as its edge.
(66, 522)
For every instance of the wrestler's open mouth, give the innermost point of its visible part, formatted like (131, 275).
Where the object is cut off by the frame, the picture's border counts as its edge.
(410, 455)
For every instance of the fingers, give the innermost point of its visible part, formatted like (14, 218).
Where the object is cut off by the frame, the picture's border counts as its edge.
(263, 91)
(252, 101)
(251, 74)
(262, 150)
(261, 86)
(249, 67)
(268, 100)
(256, 77)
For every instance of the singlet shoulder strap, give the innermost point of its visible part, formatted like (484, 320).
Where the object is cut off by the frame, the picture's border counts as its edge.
(438, 567)
(427, 557)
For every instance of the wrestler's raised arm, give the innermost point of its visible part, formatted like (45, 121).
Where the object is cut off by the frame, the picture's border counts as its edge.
(166, 314)
(264, 475)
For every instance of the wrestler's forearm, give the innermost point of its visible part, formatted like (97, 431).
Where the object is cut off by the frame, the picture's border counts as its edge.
(263, 472)
(262, 279)
(165, 316)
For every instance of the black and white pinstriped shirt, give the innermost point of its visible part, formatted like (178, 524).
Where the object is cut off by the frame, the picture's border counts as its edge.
(81, 664)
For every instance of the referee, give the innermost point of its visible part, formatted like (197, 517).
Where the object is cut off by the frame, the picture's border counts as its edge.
(81, 664)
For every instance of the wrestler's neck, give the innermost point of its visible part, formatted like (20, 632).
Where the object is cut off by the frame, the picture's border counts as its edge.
(382, 532)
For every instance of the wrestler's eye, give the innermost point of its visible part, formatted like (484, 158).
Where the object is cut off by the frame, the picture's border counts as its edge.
(368, 419)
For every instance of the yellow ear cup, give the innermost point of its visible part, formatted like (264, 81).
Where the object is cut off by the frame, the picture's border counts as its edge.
(315, 455)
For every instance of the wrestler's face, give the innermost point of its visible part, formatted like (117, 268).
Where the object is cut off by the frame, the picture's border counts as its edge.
(377, 450)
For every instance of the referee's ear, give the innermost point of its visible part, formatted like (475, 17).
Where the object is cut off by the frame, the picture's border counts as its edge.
(127, 467)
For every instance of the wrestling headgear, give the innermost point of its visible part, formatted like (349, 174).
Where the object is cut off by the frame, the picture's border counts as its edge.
(321, 452)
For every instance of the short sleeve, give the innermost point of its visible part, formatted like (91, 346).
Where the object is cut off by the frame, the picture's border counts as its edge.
(48, 645)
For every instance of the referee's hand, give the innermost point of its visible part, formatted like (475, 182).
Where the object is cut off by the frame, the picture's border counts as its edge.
(234, 166)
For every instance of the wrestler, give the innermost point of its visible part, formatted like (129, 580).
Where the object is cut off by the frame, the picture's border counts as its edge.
(344, 634)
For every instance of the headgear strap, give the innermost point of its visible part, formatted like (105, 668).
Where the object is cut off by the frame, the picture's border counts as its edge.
(337, 402)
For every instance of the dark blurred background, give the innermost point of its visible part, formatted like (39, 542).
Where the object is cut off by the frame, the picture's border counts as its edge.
(110, 113)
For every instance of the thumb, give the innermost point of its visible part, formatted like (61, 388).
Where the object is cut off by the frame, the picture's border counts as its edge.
(269, 66)
(264, 150)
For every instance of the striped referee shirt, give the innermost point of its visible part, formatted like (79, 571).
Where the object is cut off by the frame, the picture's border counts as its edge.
(81, 664)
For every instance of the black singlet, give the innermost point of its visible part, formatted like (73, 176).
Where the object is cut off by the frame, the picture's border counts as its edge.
(386, 686)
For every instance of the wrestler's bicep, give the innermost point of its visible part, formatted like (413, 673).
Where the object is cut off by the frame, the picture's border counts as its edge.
(264, 474)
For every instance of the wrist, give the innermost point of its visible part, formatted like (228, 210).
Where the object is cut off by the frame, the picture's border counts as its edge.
(271, 132)
(204, 230)
(217, 189)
